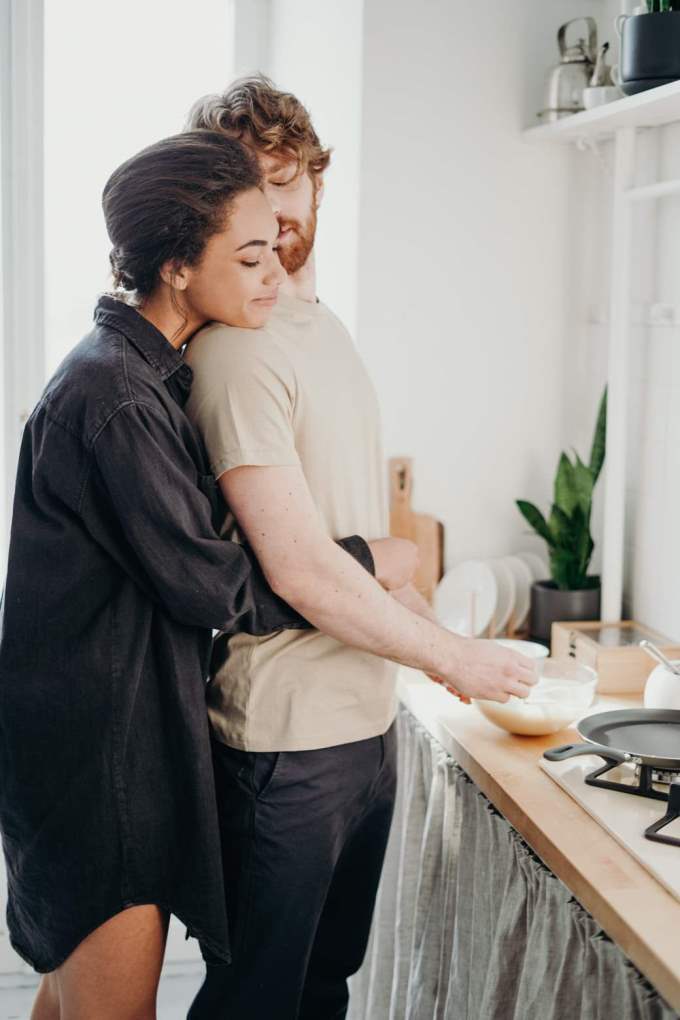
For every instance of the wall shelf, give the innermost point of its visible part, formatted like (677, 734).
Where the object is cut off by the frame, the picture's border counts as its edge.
(652, 108)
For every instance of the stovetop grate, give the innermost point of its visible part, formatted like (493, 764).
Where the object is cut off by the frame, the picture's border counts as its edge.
(645, 781)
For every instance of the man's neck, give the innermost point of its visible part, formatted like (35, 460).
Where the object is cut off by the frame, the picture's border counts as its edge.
(302, 285)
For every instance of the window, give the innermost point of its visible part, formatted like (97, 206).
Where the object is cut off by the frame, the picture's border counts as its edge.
(116, 79)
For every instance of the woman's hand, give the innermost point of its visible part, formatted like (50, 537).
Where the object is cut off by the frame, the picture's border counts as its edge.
(396, 561)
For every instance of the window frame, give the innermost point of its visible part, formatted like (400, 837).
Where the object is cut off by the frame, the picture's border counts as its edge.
(23, 228)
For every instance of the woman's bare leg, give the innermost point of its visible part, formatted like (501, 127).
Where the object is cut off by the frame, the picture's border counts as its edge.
(46, 1005)
(114, 973)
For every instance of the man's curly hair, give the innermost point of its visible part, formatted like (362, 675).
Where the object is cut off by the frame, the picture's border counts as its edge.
(256, 113)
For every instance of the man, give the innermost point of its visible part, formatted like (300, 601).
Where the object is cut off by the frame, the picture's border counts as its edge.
(303, 724)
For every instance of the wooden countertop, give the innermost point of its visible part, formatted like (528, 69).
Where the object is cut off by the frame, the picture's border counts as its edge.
(624, 898)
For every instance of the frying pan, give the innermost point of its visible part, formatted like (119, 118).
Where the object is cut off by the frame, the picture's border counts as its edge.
(645, 736)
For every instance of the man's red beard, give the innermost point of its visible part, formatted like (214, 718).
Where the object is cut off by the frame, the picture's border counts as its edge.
(295, 253)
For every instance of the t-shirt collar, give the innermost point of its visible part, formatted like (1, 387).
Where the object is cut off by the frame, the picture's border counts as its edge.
(149, 341)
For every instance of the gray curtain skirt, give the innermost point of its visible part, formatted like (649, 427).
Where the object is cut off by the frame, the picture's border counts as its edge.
(471, 925)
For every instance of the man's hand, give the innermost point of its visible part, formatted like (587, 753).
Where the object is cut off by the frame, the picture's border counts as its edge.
(396, 561)
(487, 670)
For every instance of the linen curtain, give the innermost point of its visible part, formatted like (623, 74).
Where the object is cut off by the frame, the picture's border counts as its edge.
(470, 925)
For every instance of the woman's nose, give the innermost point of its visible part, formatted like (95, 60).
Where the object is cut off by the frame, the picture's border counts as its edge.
(276, 273)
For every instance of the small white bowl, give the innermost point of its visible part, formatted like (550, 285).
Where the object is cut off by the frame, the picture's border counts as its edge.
(563, 693)
(662, 689)
(532, 649)
(598, 95)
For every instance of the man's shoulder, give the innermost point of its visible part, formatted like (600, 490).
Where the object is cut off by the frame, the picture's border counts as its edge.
(218, 348)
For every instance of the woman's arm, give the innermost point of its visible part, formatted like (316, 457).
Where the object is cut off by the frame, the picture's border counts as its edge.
(160, 531)
(275, 511)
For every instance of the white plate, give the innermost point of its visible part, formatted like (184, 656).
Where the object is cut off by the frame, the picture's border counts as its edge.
(523, 581)
(468, 589)
(505, 579)
(538, 565)
(532, 649)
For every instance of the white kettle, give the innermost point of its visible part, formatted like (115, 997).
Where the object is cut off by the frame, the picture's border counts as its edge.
(662, 689)
(566, 82)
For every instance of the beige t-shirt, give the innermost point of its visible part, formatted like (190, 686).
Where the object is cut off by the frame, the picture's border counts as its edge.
(296, 392)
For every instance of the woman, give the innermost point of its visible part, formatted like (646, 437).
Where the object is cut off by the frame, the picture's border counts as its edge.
(116, 576)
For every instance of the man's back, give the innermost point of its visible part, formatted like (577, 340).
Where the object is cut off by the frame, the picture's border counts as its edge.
(296, 393)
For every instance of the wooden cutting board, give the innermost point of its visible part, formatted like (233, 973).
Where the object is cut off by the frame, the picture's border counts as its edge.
(424, 530)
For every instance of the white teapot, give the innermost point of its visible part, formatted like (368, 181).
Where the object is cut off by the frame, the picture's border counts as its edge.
(662, 689)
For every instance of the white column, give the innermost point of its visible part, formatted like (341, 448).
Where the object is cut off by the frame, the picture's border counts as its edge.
(21, 92)
(618, 372)
(252, 36)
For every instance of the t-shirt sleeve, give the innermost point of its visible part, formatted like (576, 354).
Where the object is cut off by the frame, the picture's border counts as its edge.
(242, 398)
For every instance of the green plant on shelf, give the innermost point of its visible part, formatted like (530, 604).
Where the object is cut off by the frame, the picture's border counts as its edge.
(659, 6)
(567, 530)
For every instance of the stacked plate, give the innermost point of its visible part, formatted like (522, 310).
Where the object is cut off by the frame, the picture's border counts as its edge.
(489, 596)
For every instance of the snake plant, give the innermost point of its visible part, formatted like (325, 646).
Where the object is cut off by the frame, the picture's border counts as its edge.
(659, 6)
(567, 530)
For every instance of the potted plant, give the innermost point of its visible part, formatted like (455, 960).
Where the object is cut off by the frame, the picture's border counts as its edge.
(650, 46)
(571, 593)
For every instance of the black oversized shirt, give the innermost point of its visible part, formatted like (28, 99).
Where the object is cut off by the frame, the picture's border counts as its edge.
(116, 576)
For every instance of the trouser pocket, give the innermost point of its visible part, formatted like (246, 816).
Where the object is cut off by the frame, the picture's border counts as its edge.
(266, 765)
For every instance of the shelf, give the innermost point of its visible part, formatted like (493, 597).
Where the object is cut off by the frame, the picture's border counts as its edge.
(652, 108)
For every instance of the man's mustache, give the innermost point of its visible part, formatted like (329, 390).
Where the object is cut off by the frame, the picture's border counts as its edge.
(289, 225)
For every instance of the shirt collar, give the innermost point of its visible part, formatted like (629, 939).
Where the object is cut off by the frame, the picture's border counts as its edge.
(149, 341)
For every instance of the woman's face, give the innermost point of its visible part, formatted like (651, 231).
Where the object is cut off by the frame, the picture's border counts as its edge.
(238, 277)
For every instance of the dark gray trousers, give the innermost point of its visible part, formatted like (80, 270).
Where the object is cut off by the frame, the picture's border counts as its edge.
(303, 841)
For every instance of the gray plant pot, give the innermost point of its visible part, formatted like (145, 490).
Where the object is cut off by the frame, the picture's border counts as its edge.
(549, 604)
(650, 51)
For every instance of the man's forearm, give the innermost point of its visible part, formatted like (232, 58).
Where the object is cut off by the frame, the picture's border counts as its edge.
(268, 612)
(342, 600)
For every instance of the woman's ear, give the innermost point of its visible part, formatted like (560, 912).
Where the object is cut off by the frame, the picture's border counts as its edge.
(174, 275)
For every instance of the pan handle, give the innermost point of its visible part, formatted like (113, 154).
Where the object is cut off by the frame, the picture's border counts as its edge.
(572, 750)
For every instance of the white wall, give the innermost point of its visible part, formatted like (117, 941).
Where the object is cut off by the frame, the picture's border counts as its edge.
(315, 51)
(464, 269)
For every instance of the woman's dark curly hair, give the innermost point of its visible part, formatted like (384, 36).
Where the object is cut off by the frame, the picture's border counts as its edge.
(163, 204)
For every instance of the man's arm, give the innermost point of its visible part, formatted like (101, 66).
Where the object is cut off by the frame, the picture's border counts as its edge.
(275, 511)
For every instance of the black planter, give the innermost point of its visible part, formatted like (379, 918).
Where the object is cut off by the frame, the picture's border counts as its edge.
(650, 51)
(549, 605)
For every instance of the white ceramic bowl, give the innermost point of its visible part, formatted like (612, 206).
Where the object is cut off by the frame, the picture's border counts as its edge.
(563, 694)
(662, 689)
(532, 649)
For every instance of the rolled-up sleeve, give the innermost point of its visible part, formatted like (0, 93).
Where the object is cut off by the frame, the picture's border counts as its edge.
(143, 470)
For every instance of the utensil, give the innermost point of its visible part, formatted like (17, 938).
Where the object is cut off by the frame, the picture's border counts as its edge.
(657, 654)
(424, 530)
(644, 736)
(566, 82)
(601, 72)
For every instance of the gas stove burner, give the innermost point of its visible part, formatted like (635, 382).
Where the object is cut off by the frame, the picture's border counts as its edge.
(645, 781)
(665, 778)
(637, 779)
